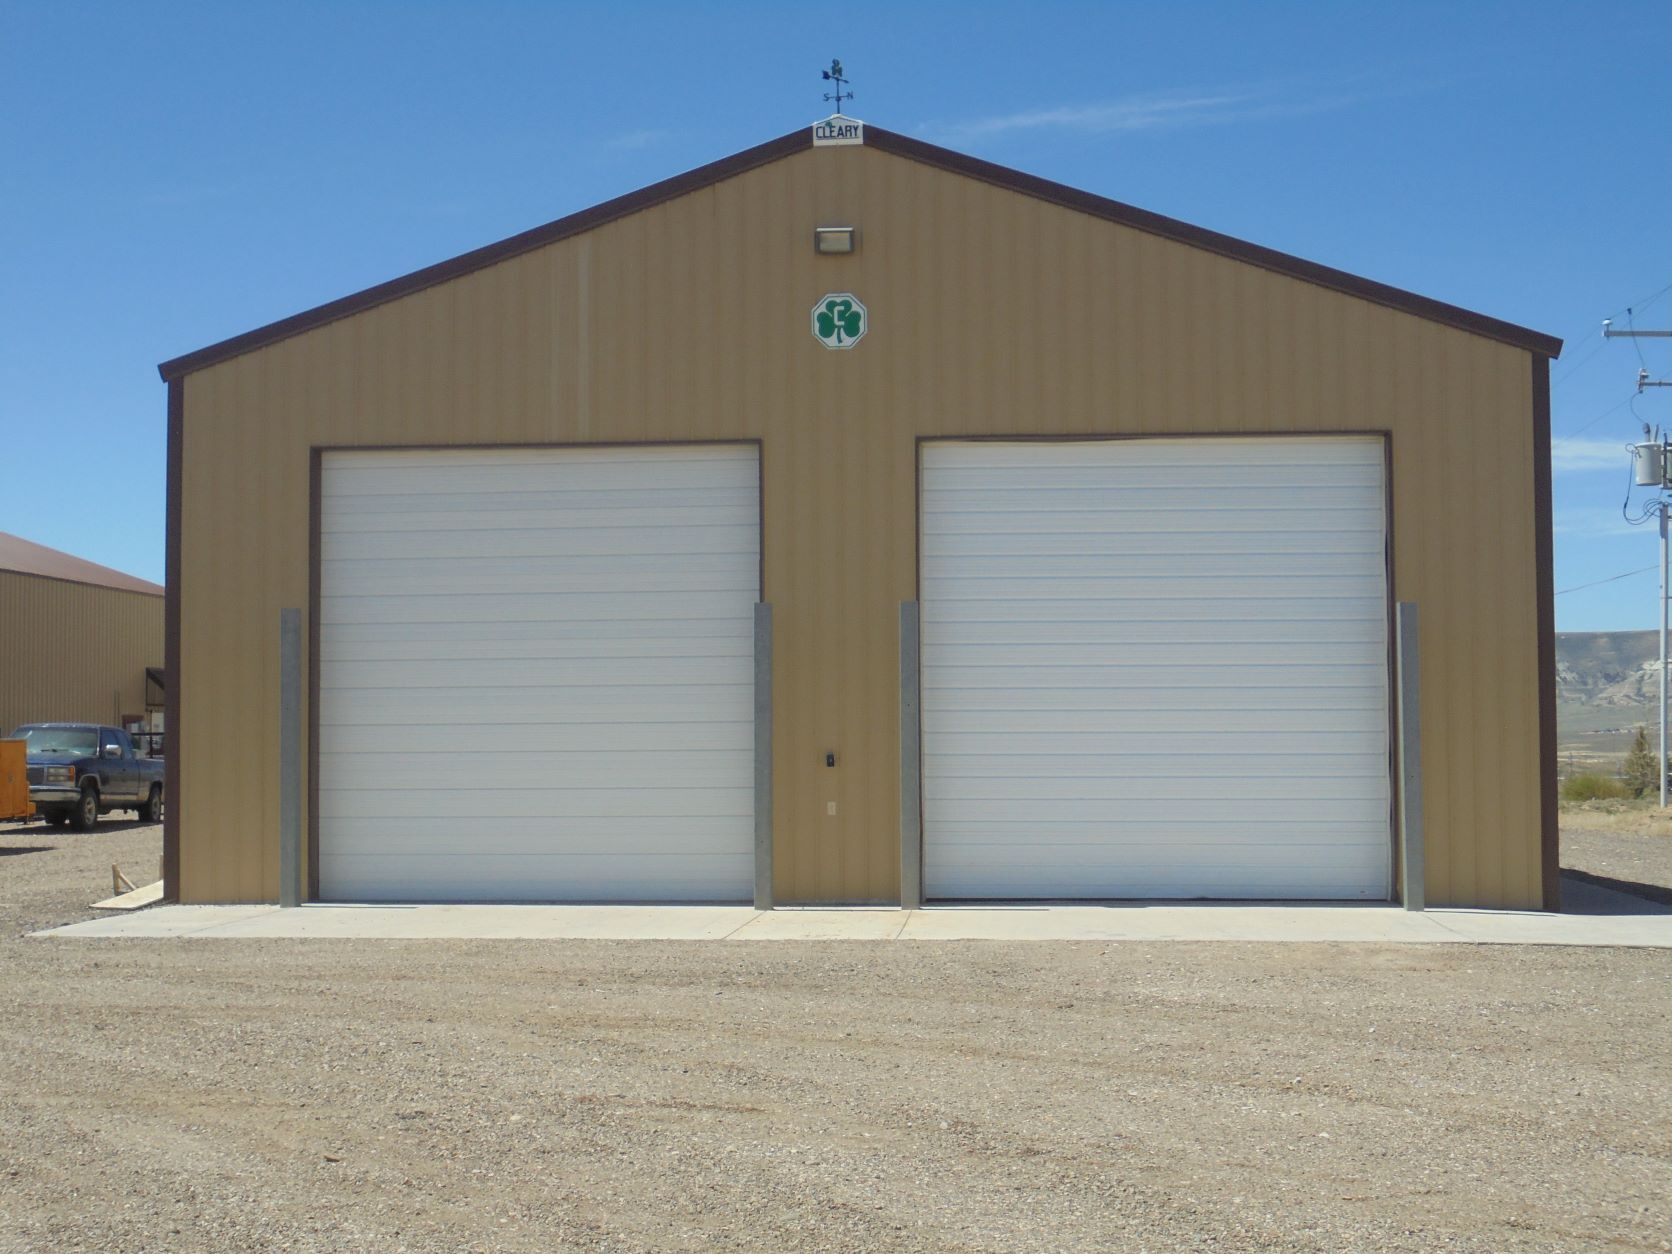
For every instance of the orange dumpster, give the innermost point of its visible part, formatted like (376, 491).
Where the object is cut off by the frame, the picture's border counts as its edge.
(14, 780)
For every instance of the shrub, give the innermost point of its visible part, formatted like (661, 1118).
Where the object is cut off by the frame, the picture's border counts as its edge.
(1638, 770)
(1594, 786)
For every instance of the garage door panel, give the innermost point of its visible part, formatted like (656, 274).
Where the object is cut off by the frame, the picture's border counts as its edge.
(1157, 701)
(566, 808)
(637, 768)
(569, 499)
(977, 539)
(537, 674)
(367, 534)
(506, 473)
(1200, 457)
(1143, 836)
(1236, 683)
(1012, 651)
(1291, 567)
(532, 572)
(1057, 794)
(346, 637)
(524, 877)
(701, 644)
(517, 707)
(451, 539)
(1202, 521)
(528, 673)
(977, 754)
(1164, 804)
(1280, 728)
(982, 606)
(1227, 883)
(1287, 633)
(572, 736)
(1130, 689)
(602, 576)
(999, 495)
(625, 605)
(440, 834)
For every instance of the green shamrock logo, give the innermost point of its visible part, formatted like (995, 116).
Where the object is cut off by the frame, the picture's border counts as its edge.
(839, 320)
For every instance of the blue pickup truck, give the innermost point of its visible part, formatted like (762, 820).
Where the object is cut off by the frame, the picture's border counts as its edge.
(78, 771)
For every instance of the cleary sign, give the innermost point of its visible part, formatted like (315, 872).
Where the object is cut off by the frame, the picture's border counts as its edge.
(837, 130)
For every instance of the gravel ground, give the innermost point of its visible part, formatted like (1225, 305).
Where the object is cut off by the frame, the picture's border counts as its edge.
(517, 1095)
(1619, 841)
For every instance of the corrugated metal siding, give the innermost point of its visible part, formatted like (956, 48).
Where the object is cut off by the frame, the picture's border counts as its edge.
(991, 313)
(74, 652)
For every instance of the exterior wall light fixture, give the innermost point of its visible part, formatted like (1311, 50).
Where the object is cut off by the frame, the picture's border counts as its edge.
(834, 239)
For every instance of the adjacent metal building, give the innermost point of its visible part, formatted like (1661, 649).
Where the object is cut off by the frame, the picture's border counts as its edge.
(1034, 546)
(79, 642)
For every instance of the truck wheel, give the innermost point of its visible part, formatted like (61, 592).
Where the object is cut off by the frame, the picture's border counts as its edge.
(86, 812)
(152, 810)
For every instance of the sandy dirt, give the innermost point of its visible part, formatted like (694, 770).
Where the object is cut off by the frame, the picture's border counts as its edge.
(1627, 842)
(513, 1095)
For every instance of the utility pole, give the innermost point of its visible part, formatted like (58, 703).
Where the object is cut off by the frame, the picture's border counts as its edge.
(1653, 462)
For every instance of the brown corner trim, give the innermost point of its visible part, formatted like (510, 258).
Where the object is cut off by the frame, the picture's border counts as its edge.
(492, 254)
(171, 644)
(1544, 548)
(1213, 241)
(310, 820)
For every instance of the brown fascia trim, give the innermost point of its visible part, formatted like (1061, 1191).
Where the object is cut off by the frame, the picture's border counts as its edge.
(493, 254)
(82, 583)
(1212, 241)
(1544, 547)
(900, 146)
(171, 644)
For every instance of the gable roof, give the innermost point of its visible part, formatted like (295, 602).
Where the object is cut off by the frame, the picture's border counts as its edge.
(901, 146)
(25, 557)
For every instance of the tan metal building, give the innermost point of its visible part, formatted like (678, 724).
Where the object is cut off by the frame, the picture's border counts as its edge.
(1081, 531)
(79, 642)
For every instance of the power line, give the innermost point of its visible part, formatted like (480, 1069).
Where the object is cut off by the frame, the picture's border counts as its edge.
(1574, 434)
(1631, 324)
(1573, 367)
(1598, 583)
(1624, 308)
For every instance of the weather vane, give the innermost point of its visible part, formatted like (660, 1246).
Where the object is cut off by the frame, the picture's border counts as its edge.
(834, 75)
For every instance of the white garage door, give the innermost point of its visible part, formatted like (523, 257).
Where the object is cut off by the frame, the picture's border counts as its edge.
(1155, 668)
(536, 674)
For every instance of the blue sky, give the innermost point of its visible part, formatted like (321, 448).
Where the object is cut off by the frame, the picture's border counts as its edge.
(175, 174)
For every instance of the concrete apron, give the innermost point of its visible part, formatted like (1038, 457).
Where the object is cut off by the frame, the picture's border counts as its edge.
(1613, 919)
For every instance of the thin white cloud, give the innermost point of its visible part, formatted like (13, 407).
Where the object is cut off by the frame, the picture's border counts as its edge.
(1573, 456)
(632, 141)
(1151, 112)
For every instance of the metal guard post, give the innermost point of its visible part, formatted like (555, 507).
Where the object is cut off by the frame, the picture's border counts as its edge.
(1410, 759)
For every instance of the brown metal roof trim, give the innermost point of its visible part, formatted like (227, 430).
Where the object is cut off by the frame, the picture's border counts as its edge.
(1213, 241)
(25, 557)
(492, 254)
(901, 146)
